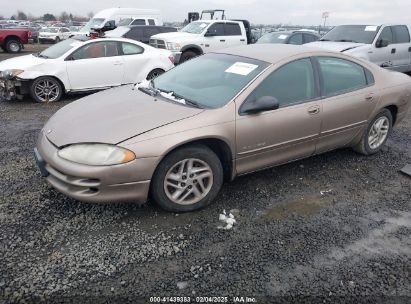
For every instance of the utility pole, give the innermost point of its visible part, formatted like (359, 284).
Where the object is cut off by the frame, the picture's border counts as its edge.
(325, 16)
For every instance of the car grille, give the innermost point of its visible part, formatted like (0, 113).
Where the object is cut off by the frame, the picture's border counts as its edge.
(159, 44)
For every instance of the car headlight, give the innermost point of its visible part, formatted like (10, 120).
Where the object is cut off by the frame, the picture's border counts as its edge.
(173, 46)
(97, 154)
(9, 74)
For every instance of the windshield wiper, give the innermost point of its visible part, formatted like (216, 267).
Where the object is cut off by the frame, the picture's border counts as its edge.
(187, 101)
(42, 56)
(346, 40)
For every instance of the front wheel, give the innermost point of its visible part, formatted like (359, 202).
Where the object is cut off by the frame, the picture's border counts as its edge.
(376, 134)
(57, 39)
(46, 89)
(187, 179)
(187, 55)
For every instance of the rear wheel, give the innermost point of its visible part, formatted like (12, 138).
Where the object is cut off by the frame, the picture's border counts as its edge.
(154, 73)
(46, 89)
(187, 179)
(376, 134)
(13, 46)
(187, 55)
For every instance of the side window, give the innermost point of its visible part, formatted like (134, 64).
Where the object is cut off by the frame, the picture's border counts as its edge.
(341, 76)
(310, 38)
(296, 39)
(291, 84)
(131, 49)
(96, 50)
(401, 34)
(386, 34)
(217, 29)
(139, 22)
(151, 22)
(232, 29)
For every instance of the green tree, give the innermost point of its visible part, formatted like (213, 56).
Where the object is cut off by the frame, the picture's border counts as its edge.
(49, 17)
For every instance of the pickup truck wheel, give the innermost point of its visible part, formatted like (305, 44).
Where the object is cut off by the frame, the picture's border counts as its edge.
(154, 73)
(46, 89)
(13, 46)
(187, 179)
(187, 55)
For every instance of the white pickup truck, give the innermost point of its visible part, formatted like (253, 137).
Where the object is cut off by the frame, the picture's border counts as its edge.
(201, 37)
(386, 45)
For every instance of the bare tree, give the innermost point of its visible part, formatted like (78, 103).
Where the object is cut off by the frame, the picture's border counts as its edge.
(90, 15)
(64, 17)
(21, 15)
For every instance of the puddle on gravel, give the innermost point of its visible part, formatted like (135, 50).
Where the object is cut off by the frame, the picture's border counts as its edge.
(305, 206)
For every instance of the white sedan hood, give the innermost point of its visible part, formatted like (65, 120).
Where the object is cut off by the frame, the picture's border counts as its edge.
(335, 46)
(21, 62)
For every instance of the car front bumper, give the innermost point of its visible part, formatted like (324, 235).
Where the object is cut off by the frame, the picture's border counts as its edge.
(13, 88)
(96, 184)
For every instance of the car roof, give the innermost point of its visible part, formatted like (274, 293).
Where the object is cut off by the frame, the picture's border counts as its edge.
(271, 53)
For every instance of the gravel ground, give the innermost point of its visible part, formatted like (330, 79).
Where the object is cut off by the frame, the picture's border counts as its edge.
(28, 49)
(331, 228)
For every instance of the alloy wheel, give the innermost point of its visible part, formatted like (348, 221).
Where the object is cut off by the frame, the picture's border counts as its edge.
(188, 181)
(47, 90)
(378, 132)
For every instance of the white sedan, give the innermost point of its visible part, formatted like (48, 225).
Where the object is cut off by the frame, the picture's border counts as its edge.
(80, 64)
(53, 34)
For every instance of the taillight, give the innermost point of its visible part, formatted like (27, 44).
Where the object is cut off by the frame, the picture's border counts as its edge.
(172, 59)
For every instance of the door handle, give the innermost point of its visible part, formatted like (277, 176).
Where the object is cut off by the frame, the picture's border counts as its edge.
(244, 40)
(369, 97)
(393, 51)
(314, 110)
(222, 40)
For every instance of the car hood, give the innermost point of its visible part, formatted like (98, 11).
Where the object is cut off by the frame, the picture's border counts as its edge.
(174, 36)
(335, 46)
(46, 34)
(21, 62)
(112, 116)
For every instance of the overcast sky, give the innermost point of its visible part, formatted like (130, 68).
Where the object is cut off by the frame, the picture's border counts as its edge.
(304, 12)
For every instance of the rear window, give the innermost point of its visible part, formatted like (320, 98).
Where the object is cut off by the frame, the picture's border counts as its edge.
(139, 22)
(232, 29)
(401, 34)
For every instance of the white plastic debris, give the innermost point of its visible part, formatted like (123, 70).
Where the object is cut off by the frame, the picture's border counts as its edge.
(229, 221)
(325, 192)
(145, 84)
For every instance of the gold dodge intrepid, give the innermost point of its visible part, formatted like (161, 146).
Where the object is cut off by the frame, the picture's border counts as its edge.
(221, 115)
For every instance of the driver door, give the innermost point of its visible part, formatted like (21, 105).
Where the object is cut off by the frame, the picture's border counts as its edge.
(217, 39)
(288, 133)
(95, 65)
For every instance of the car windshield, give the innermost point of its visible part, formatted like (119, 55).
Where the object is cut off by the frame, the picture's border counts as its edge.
(59, 49)
(95, 22)
(211, 80)
(195, 27)
(125, 21)
(352, 33)
(50, 30)
(273, 38)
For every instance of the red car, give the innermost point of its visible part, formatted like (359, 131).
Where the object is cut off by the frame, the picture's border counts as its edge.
(13, 40)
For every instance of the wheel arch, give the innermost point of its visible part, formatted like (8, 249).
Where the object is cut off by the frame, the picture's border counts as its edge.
(51, 76)
(13, 37)
(219, 146)
(394, 110)
(194, 48)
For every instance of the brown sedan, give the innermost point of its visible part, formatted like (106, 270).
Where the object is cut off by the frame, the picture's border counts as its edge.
(215, 117)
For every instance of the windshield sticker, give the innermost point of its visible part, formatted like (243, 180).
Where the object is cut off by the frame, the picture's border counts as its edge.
(203, 25)
(241, 68)
(371, 28)
(282, 37)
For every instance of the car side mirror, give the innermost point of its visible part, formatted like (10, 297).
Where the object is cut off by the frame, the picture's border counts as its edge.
(262, 104)
(382, 43)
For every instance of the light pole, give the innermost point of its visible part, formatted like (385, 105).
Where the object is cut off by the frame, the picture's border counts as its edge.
(325, 16)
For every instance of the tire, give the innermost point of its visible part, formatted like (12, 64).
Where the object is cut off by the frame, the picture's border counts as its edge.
(187, 55)
(154, 73)
(52, 89)
(13, 46)
(41, 41)
(57, 39)
(379, 129)
(210, 172)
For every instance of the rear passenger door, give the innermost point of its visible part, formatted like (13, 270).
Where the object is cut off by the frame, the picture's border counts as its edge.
(309, 38)
(233, 34)
(348, 96)
(296, 39)
(402, 48)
